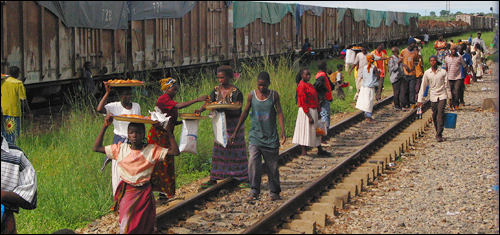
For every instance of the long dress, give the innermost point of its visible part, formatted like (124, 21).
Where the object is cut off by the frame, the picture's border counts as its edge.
(163, 176)
(230, 161)
(305, 133)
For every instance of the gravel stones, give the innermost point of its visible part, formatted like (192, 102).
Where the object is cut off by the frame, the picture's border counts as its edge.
(436, 187)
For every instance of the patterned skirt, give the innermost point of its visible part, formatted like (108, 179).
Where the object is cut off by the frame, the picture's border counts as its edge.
(230, 161)
(163, 176)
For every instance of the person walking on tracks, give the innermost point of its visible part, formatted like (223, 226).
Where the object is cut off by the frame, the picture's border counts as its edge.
(19, 184)
(409, 57)
(307, 117)
(370, 78)
(134, 197)
(13, 97)
(263, 136)
(359, 63)
(381, 65)
(229, 161)
(453, 65)
(462, 49)
(439, 92)
(440, 46)
(396, 76)
(124, 106)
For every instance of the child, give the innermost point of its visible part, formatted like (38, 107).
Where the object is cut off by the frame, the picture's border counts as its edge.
(263, 136)
(124, 106)
(307, 117)
(337, 79)
(136, 159)
(324, 87)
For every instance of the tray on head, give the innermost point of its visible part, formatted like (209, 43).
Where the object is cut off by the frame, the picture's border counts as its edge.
(191, 116)
(134, 119)
(4, 76)
(223, 106)
(125, 84)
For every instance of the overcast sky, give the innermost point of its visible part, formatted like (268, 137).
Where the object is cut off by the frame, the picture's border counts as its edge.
(422, 7)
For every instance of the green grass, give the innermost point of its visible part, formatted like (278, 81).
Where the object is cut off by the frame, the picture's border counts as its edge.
(72, 191)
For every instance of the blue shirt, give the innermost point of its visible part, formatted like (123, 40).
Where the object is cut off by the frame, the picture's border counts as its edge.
(468, 61)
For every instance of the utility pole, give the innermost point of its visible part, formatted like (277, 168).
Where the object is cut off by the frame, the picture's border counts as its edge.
(448, 7)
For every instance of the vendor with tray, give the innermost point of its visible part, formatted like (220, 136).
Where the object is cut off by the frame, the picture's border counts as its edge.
(163, 177)
(124, 106)
(231, 160)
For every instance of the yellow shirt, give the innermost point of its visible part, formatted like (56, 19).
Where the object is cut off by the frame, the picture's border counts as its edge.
(13, 92)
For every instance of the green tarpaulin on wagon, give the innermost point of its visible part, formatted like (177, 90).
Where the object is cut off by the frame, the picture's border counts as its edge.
(375, 18)
(247, 12)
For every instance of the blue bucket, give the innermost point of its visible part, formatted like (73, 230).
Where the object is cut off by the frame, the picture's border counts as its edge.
(450, 120)
(426, 91)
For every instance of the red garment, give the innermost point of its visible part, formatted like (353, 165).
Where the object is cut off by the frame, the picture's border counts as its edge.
(167, 105)
(328, 94)
(307, 96)
(137, 208)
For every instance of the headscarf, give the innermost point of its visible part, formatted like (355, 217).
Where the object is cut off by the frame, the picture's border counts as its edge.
(370, 60)
(167, 83)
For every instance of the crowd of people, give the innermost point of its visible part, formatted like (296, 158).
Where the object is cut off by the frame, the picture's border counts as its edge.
(143, 162)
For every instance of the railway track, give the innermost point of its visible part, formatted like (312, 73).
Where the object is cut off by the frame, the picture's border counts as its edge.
(222, 208)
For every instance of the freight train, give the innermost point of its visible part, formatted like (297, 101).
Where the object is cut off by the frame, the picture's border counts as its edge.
(51, 40)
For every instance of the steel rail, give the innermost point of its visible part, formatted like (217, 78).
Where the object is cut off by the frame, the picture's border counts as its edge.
(177, 211)
(279, 215)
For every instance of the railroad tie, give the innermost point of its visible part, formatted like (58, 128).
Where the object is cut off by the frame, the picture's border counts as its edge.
(376, 167)
(327, 208)
(356, 180)
(304, 226)
(343, 194)
(365, 176)
(316, 216)
(369, 170)
(338, 202)
(353, 188)
(380, 159)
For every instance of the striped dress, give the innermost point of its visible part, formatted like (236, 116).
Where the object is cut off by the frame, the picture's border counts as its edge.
(230, 161)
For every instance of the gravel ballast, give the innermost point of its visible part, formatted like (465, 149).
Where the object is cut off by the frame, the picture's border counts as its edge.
(436, 187)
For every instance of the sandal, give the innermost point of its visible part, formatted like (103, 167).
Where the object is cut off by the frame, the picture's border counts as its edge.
(252, 196)
(245, 185)
(208, 184)
(275, 197)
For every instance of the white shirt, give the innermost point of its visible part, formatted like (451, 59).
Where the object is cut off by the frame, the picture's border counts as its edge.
(481, 42)
(116, 108)
(426, 37)
(439, 86)
(349, 56)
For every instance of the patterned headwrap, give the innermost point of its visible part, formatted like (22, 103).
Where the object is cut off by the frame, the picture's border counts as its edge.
(370, 60)
(167, 83)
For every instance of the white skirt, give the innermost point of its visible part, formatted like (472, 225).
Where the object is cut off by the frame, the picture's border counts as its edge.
(365, 99)
(115, 175)
(305, 133)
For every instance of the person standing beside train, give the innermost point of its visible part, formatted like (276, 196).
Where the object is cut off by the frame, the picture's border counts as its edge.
(381, 65)
(88, 86)
(426, 38)
(409, 57)
(453, 65)
(349, 57)
(439, 92)
(13, 97)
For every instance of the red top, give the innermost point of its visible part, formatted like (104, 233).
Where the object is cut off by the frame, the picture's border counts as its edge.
(307, 96)
(328, 94)
(167, 105)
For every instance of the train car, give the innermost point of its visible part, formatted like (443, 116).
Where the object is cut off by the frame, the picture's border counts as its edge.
(125, 38)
